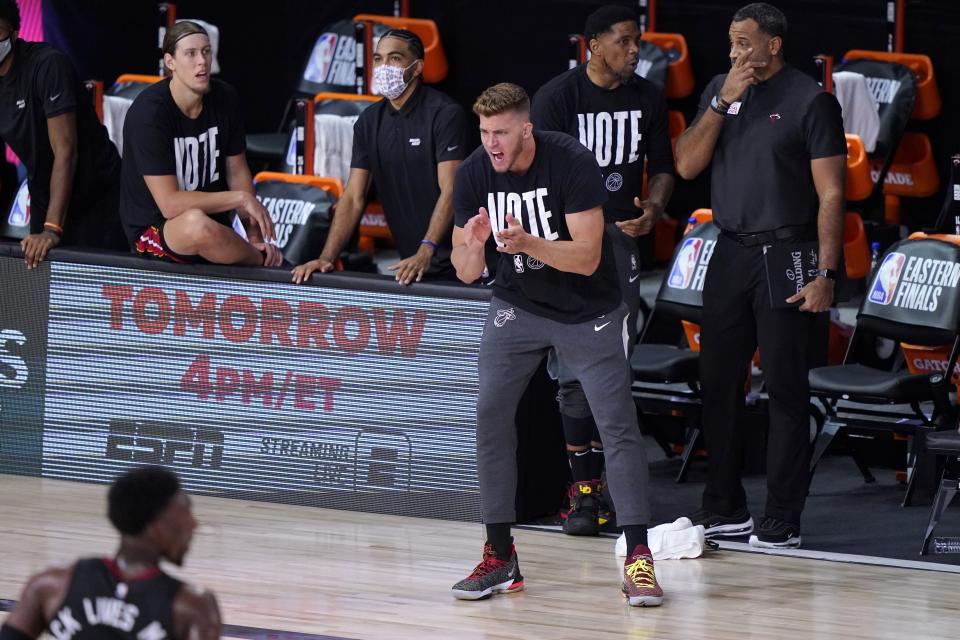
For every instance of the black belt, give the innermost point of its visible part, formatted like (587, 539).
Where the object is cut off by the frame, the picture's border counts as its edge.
(783, 234)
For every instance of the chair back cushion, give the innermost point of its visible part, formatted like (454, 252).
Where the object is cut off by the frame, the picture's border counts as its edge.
(681, 292)
(913, 295)
(894, 89)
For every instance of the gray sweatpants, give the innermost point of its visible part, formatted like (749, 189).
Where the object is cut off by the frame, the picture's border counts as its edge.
(513, 344)
(626, 254)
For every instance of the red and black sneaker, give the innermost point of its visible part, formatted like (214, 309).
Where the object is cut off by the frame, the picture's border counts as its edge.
(640, 586)
(584, 513)
(491, 576)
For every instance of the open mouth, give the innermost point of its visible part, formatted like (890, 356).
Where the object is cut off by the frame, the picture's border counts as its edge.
(497, 157)
(203, 75)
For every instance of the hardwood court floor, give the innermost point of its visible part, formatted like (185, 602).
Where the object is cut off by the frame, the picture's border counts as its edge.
(340, 574)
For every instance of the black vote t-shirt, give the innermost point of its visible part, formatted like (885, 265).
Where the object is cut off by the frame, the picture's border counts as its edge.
(621, 126)
(42, 84)
(563, 179)
(160, 140)
(761, 178)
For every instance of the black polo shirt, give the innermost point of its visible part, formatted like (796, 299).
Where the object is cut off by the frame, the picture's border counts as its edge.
(42, 84)
(402, 149)
(761, 178)
(621, 126)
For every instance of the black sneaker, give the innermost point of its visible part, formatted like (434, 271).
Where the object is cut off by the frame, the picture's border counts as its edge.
(776, 534)
(491, 576)
(719, 526)
(583, 518)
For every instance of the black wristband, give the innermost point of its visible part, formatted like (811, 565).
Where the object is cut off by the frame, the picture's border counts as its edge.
(719, 106)
(12, 633)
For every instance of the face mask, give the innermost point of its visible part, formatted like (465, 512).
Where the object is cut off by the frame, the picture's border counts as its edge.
(388, 80)
(5, 47)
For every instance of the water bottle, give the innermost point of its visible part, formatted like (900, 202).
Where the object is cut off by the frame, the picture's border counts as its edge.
(874, 255)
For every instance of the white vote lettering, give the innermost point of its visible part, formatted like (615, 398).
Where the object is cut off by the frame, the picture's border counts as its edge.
(192, 171)
(529, 208)
(608, 135)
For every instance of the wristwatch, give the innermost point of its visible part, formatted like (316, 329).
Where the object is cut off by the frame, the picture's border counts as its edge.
(829, 274)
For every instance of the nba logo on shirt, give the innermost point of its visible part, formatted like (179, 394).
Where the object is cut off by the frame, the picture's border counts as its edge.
(684, 266)
(885, 284)
(20, 211)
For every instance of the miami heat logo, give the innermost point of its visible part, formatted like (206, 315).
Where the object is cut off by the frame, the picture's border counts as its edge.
(503, 315)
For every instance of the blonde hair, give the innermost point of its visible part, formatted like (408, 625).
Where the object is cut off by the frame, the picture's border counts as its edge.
(501, 98)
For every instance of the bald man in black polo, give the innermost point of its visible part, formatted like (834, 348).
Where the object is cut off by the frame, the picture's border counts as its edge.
(778, 153)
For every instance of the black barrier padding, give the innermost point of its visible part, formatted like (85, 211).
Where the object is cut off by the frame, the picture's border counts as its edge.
(914, 292)
(23, 349)
(894, 87)
(337, 280)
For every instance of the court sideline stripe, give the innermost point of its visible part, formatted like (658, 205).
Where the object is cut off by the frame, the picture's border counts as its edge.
(237, 631)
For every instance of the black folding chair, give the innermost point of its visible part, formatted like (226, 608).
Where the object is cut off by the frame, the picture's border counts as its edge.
(331, 67)
(666, 376)
(913, 297)
(945, 445)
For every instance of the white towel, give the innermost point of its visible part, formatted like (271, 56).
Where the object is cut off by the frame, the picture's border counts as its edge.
(114, 112)
(670, 541)
(859, 108)
(333, 145)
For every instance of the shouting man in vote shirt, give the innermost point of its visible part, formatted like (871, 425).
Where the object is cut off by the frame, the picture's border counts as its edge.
(539, 196)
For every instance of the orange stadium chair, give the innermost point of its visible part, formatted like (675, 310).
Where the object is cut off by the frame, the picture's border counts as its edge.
(330, 67)
(856, 250)
(373, 224)
(117, 100)
(299, 239)
(679, 70)
(859, 180)
(905, 87)
(928, 101)
(434, 59)
(913, 173)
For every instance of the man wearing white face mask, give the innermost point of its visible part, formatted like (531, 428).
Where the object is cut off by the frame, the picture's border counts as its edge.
(73, 170)
(408, 145)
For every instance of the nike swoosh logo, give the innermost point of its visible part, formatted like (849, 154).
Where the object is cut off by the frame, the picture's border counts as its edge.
(512, 571)
(54, 98)
(453, 147)
(601, 326)
(632, 278)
